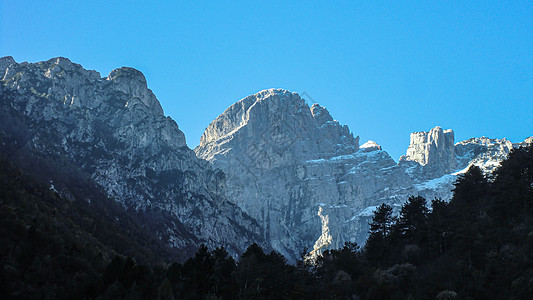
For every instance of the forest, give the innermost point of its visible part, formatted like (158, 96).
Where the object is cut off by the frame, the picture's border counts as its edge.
(479, 245)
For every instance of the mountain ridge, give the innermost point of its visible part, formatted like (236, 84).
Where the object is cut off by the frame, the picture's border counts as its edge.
(262, 170)
(115, 130)
(282, 167)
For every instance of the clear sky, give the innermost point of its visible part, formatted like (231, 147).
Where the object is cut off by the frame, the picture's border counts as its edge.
(384, 68)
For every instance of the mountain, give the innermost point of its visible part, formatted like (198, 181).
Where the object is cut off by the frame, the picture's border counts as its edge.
(270, 169)
(289, 165)
(114, 132)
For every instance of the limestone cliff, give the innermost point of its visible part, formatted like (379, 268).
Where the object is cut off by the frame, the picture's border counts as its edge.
(284, 161)
(114, 129)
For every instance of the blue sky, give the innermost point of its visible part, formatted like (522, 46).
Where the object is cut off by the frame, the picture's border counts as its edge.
(384, 68)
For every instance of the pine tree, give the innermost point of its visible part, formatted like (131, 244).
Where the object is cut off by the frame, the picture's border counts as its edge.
(382, 221)
(413, 218)
(225, 283)
(514, 184)
(199, 272)
(376, 249)
(438, 226)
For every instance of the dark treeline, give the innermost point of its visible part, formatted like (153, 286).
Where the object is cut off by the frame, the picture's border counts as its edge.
(477, 246)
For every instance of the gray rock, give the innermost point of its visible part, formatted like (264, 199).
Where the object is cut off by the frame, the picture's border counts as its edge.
(5, 62)
(115, 130)
(284, 161)
(433, 150)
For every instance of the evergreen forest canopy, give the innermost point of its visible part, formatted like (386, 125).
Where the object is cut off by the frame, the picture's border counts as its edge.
(477, 246)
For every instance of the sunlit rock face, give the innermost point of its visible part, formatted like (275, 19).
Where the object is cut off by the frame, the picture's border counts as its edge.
(284, 161)
(323, 241)
(115, 130)
(432, 153)
(483, 152)
(433, 147)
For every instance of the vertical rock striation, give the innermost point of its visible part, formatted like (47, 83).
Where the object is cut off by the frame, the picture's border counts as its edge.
(283, 160)
(433, 151)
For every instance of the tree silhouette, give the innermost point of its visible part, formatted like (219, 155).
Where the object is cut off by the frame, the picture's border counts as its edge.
(376, 248)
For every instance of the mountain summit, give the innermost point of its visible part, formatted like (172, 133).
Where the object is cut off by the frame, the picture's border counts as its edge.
(279, 119)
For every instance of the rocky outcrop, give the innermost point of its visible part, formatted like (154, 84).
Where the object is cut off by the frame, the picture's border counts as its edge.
(483, 152)
(114, 129)
(432, 152)
(4, 63)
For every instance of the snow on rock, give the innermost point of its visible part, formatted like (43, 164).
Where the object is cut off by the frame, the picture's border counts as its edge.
(368, 212)
(437, 183)
(370, 146)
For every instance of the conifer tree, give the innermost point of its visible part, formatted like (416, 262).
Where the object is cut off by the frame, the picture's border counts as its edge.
(380, 229)
(413, 218)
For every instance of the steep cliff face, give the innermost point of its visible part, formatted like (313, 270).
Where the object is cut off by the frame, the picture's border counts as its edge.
(431, 152)
(114, 129)
(285, 161)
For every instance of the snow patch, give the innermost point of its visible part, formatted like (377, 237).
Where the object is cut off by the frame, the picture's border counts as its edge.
(367, 212)
(370, 146)
(436, 183)
(338, 206)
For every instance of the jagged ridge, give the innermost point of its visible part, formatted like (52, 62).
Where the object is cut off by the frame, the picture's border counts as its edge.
(284, 160)
(114, 129)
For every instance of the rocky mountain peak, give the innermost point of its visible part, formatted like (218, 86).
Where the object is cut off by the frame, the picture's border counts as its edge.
(132, 82)
(276, 118)
(434, 150)
(7, 59)
(61, 68)
(63, 63)
(483, 152)
(261, 107)
(321, 114)
(131, 75)
(5, 62)
(267, 93)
